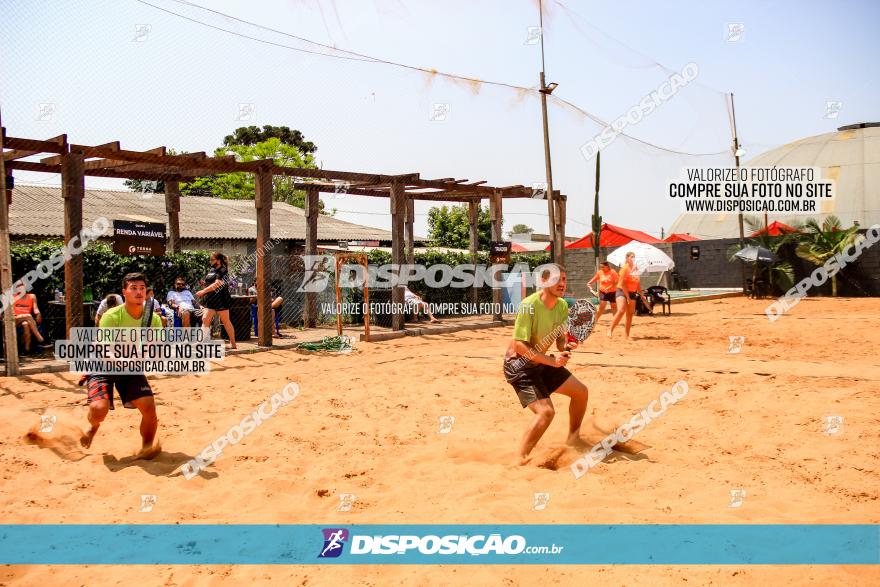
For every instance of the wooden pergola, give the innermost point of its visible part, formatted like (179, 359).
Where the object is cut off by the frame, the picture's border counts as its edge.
(75, 162)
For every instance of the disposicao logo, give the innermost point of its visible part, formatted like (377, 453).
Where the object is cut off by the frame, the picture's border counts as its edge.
(334, 540)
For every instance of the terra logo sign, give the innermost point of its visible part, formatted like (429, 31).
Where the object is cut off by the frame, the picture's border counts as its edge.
(334, 540)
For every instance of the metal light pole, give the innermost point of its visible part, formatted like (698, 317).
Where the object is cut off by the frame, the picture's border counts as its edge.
(555, 241)
(736, 153)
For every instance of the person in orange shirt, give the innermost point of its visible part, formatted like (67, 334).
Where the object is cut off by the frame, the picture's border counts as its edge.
(607, 278)
(627, 286)
(27, 315)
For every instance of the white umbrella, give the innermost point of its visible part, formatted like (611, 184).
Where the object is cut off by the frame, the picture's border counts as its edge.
(648, 259)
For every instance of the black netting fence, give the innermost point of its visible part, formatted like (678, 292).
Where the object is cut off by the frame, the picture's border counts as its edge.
(427, 298)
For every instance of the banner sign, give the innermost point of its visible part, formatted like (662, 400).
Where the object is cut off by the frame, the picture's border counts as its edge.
(138, 238)
(499, 252)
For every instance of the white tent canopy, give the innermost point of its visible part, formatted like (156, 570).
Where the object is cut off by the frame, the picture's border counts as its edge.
(850, 156)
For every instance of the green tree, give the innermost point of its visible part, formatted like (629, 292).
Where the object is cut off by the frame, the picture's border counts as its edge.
(249, 136)
(820, 243)
(240, 186)
(449, 226)
(288, 147)
(520, 229)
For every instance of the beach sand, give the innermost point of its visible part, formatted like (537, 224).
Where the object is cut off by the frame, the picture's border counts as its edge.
(367, 424)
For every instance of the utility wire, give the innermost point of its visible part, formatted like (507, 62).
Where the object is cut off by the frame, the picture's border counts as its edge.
(354, 56)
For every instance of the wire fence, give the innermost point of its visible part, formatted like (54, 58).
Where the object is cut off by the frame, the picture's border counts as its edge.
(289, 275)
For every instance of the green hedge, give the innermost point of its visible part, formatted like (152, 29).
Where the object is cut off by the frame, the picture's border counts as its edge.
(103, 269)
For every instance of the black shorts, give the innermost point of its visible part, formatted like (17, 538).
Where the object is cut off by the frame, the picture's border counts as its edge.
(622, 294)
(533, 381)
(608, 297)
(129, 387)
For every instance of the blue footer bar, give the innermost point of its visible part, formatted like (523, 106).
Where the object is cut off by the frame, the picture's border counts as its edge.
(689, 544)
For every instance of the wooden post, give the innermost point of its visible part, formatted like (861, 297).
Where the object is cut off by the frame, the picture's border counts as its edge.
(263, 202)
(310, 310)
(172, 207)
(410, 237)
(11, 346)
(560, 200)
(398, 211)
(497, 221)
(340, 259)
(73, 190)
(365, 263)
(473, 221)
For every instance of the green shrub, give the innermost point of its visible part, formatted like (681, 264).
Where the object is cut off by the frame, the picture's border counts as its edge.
(103, 269)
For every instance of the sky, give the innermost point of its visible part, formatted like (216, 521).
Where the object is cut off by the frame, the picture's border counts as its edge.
(129, 70)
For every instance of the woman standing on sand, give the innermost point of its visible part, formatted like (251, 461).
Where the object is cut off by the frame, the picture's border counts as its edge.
(216, 298)
(627, 285)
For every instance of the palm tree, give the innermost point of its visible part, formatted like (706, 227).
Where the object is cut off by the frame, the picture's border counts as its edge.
(820, 243)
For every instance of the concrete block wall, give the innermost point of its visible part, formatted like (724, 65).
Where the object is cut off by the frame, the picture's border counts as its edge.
(712, 269)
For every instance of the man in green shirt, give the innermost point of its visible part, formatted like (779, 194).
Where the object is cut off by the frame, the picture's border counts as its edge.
(534, 375)
(134, 390)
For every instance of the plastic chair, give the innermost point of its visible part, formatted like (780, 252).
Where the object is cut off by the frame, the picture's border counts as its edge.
(194, 320)
(660, 295)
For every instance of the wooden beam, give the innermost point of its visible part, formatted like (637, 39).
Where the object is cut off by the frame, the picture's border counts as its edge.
(263, 203)
(330, 175)
(495, 214)
(33, 145)
(355, 191)
(169, 167)
(485, 191)
(398, 212)
(56, 160)
(474, 231)
(312, 210)
(16, 154)
(190, 160)
(73, 191)
(40, 168)
(9, 330)
(108, 163)
(172, 207)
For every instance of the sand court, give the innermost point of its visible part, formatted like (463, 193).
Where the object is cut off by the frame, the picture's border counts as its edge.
(784, 431)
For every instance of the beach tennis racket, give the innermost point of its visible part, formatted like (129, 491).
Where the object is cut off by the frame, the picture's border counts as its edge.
(147, 316)
(581, 317)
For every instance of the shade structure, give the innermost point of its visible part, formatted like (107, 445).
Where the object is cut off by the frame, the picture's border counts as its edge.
(756, 255)
(648, 259)
(613, 236)
(678, 237)
(775, 228)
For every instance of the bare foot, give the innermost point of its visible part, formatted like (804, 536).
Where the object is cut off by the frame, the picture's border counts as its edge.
(433, 321)
(86, 439)
(609, 334)
(551, 461)
(148, 452)
(575, 441)
(524, 460)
